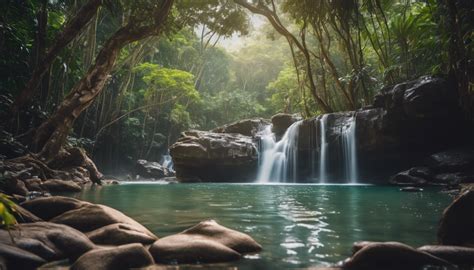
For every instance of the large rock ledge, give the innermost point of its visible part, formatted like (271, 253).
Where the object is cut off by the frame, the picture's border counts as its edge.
(406, 123)
(209, 156)
(447, 168)
(93, 236)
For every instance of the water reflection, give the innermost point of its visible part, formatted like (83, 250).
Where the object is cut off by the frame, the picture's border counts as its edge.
(298, 225)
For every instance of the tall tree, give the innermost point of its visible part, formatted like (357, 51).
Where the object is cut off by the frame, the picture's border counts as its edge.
(146, 19)
(459, 24)
(272, 16)
(72, 29)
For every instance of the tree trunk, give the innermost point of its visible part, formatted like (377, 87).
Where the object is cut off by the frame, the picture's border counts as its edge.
(52, 134)
(40, 43)
(459, 56)
(274, 20)
(72, 29)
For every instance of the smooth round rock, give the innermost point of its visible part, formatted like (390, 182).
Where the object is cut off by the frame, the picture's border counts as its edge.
(392, 255)
(122, 257)
(120, 234)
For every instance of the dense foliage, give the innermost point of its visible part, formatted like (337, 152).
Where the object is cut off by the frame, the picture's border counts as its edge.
(308, 57)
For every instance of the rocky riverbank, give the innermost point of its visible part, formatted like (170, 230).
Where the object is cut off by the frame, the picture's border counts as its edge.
(66, 232)
(27, 175)
(57, 231)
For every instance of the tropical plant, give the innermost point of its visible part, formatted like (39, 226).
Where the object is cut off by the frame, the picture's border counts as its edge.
(7, 208)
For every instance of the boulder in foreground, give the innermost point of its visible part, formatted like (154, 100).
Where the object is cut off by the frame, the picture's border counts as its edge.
(120, 234)
(122, 257)
(90, 217)
(48, 240)
(103, 224)
(50, 207)
(207, 242)
(16, 258)
(391, 255)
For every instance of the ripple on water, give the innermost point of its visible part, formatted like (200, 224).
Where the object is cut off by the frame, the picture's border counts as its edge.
(298, 226)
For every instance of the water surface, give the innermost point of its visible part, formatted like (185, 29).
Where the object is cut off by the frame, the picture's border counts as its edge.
(297, 225)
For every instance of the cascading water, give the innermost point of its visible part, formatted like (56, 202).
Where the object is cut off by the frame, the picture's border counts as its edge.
(167, 162)
(323, 150)
(278, 160)
(349, 148)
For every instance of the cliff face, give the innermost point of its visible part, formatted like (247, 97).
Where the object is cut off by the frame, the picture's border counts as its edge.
(406, 123)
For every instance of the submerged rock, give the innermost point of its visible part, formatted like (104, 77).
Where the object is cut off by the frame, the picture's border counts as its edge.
(122, 257)
(220, 157)
(204, 243)
(411, 189)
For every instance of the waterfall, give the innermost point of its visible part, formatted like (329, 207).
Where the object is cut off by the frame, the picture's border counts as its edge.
(349, 149)
(167, 162)
(278, 160)
(323, 150)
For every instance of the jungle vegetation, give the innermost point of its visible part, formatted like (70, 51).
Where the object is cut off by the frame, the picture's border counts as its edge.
(123, 78)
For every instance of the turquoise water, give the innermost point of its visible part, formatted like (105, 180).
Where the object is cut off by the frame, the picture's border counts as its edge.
(297, 225)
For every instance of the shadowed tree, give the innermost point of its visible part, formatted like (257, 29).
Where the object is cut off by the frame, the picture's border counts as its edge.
(146, 19)
(72, 29)
(272, 16)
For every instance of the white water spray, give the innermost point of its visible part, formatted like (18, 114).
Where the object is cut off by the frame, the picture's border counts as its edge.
(323, 150)
(167, 162)
(349, 149)
(278, 160)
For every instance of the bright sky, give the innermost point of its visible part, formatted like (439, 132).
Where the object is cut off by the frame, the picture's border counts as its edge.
(236, 42)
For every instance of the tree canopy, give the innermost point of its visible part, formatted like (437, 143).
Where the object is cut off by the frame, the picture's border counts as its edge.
(206, 63)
